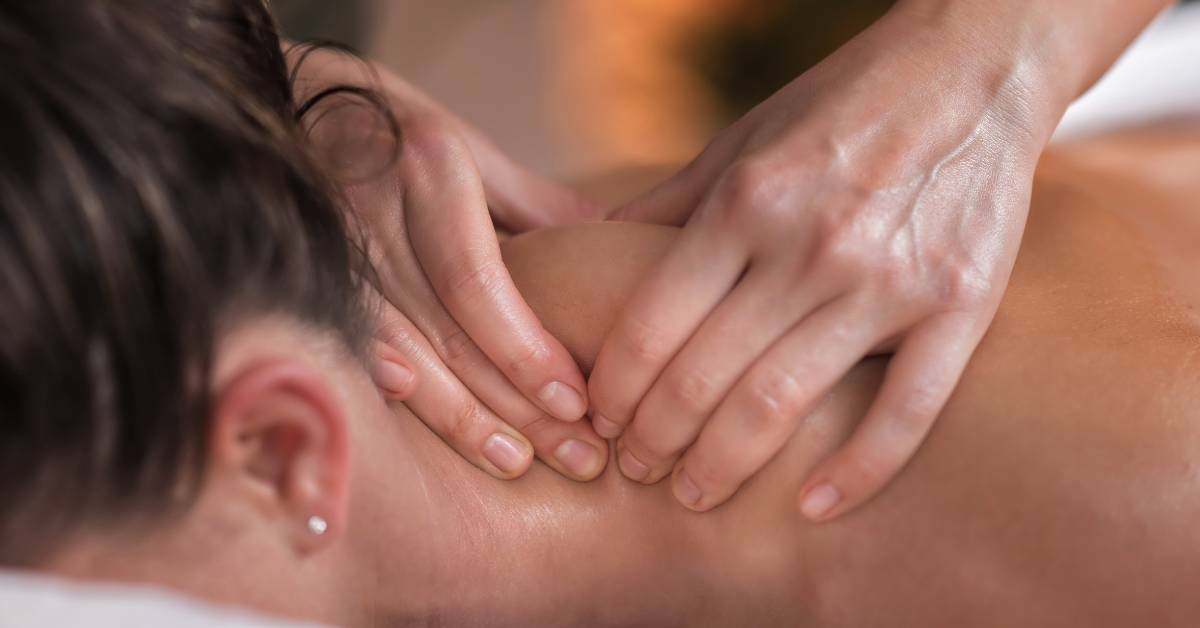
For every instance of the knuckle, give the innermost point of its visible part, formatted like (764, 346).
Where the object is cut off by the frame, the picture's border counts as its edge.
(527, 358)
(964, 287)
(461, 423)
(746, 190)
(609, 399)
(710, 470)
(778, 397)
(645, 342)
(649, 447)
(868, 463)
(692, 393)
(541, 426)
(426, 136)
(470, 278)
(456, 347)
(394, 333)
(840, 250)
(953, 279)
(921, 406)
(893, 277)
(867, 470)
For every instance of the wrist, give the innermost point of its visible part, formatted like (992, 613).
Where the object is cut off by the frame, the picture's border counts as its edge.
(1012, 54)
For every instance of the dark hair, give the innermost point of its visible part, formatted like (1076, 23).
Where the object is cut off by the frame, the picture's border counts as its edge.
(153, 189)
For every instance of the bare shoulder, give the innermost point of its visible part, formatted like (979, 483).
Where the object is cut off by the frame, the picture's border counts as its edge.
(1062, 483)
(576, 278)
(1061, 486)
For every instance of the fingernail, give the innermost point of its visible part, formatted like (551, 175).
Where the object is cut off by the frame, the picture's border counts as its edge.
(392, 377)
(686, 490)
(820, 501)
(633, 468)
(562, 401)
(579, 458)
(503, 451)
(604, 427)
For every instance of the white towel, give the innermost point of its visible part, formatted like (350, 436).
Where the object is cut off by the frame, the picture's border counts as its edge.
(29, 600)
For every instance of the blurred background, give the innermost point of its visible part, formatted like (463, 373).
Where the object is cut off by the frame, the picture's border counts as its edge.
(579, 86)
(571, 87)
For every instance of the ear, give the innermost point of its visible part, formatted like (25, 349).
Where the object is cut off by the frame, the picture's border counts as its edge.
(280, 432)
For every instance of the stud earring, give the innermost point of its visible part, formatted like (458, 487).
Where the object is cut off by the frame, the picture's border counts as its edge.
(317, 525)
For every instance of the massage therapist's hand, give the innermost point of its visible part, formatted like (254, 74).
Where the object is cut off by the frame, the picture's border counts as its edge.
(874, 204)
(493, 383)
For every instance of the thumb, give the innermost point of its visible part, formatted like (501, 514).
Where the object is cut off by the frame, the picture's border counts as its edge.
(668, 203)
(673, 201)
(520, 200)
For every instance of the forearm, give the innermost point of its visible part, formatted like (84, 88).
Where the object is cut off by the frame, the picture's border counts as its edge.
(1057, 48)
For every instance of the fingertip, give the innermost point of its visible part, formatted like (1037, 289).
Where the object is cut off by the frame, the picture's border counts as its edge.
(509, 455)
(606, 427)
(581, 460)
(637, 461)
(820, 503)
(685, 490)
(631, 466)
(394, 378)
(562, 401)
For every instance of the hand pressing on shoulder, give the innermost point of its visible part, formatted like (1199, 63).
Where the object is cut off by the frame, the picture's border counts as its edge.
(874, 204)
(428, 193)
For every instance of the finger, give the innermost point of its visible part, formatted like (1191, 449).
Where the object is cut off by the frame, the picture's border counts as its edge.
(582, 459)
(449, 409)
(919, 381)
(400, 274)
(764, 306)
(669, 305)
(519, 199)
(456, 244)
(573, 449)
(772, 398)
(576, 452)
(673, 201)
(522, 201)
(391, 372)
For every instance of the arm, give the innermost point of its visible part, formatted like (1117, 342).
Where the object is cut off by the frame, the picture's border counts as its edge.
(1057, 470)
(1060, 47)
(875, 203)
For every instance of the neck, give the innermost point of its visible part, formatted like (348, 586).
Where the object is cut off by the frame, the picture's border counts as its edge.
(542, 550)
(208, 558)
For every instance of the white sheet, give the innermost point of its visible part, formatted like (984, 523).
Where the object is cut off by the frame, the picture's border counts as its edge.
(1157, 78)
(33, 601)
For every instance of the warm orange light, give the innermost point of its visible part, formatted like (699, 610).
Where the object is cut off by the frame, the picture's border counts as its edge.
(625, 91)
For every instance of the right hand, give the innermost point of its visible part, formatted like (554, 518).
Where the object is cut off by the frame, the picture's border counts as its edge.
(494, 384)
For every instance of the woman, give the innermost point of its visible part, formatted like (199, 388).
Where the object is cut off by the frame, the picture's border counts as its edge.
(187, 402)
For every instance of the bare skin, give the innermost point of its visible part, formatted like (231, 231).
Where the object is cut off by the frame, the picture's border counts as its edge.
(878, 199)
(1059, 487)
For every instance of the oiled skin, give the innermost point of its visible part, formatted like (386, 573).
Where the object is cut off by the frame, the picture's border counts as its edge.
(1060, 487)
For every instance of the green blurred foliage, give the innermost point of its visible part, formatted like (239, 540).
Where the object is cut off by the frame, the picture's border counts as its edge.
(746, 57)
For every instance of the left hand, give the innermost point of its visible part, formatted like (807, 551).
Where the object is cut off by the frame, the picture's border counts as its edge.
(877, 201)
(494, 384)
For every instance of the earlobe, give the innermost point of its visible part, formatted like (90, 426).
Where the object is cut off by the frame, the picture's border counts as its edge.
(279, 430)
